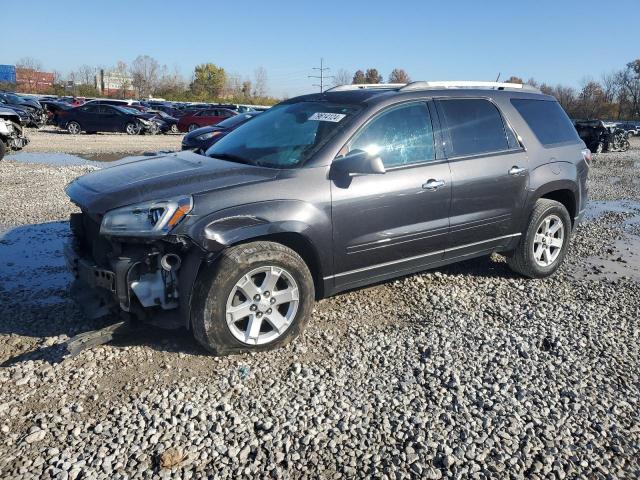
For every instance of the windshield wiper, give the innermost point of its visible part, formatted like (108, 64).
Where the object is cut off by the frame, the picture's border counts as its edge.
(231, 157)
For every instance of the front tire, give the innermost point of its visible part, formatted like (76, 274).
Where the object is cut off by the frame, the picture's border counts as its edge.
(132, 129)
(174, 128)
(192, 127)
(544, 244)
(257, 297)
(3, 149)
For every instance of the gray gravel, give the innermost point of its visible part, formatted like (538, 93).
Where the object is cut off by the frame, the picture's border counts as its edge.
(464, 372)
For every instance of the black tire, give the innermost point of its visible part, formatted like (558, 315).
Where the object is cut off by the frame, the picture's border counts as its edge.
(522, 260)
(74, 128)
(215, 285)
(192, 127)
(3, 149)
(174, 128)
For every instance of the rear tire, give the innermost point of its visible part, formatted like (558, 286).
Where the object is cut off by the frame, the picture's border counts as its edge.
(225, 319)
(174, 128)
(545, 242)
(74, 128)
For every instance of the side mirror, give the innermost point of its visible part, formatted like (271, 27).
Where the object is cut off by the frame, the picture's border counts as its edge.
(358, 162)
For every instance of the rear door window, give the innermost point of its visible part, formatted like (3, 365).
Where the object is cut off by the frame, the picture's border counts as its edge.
(548, 121)
(472, 127)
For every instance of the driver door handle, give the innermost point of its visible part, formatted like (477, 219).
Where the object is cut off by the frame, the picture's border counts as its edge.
(515, 170)
(433, 184)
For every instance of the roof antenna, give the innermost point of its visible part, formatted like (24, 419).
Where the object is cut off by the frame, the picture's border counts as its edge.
(498, 77)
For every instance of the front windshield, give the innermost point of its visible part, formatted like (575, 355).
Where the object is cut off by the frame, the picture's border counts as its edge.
(286, 135)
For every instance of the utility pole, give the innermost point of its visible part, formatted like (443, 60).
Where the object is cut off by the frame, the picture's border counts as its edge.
(320, 77)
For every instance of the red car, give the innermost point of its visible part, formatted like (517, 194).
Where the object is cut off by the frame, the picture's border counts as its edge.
(202, 118)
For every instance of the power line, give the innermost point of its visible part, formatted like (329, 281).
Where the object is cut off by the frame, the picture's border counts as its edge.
(322, 76)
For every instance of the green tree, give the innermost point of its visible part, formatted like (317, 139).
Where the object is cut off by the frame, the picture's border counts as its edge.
(514, 79)
(209, 81)
(372, 76)
(358, 77)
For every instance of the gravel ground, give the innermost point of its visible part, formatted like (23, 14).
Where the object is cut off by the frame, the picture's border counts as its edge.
(53, 139)
(463, 372)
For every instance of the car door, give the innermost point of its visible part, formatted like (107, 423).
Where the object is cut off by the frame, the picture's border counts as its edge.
(110, 119)
(88, 117)
(397, 222)
(489, 175)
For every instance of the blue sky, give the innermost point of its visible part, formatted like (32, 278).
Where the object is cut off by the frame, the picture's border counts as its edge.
(553, 41)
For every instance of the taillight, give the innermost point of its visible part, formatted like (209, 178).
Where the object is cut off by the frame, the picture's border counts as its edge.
(586, 154)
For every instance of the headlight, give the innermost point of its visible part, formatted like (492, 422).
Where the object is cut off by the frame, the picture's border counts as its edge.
(148, 219)
(208, 135)
(144, 122)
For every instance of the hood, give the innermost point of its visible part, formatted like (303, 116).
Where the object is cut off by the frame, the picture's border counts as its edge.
(9, 114)
(29, 102)
(140, 179)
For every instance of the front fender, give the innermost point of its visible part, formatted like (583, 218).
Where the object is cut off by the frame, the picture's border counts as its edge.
(242, 223)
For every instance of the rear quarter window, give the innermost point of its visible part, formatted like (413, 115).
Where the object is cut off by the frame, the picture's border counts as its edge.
(548, 121)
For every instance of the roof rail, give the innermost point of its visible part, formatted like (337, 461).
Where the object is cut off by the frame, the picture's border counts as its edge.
(363, 86)
(466, 84)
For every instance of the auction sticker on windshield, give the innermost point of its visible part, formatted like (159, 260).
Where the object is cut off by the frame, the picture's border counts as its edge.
(327, 117)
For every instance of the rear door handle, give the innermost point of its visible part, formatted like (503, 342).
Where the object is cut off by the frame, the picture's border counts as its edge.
(515, 170)
(433, 184)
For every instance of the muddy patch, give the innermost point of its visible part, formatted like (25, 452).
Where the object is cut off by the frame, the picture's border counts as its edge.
(621, 257)
(32, 260)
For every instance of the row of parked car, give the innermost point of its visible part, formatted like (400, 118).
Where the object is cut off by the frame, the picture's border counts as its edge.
(204, 123)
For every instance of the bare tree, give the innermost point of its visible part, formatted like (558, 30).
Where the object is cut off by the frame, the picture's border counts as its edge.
(342, 77)
(246, 88)
(85, 74)
(629, 81)
(398, 75)
(260, 85)
(145, 73)
(27, 69)
(124, 80)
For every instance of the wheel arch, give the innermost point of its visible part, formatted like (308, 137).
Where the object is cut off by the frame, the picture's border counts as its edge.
(566, 197)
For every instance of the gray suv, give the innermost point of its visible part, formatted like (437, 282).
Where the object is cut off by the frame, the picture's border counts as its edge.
(328, 192)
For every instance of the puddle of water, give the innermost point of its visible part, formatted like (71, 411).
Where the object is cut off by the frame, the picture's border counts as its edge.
(623, 256)
(32, 259)
(595, 208)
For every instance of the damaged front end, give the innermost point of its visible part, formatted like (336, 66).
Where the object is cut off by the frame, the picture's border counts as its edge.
(12, 134)
(131, 263)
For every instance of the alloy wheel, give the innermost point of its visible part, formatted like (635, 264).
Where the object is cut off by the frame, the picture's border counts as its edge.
(548, 240)
(73, 128)
(262, 305)
(132, 129)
